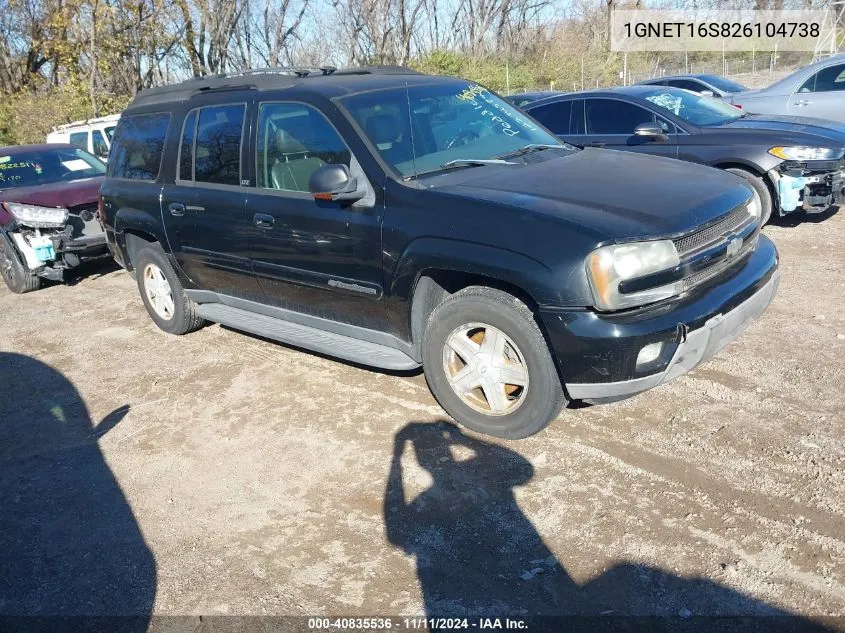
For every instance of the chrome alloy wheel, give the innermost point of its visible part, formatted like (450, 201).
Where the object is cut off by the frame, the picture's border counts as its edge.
(485, 369)
(158, 292)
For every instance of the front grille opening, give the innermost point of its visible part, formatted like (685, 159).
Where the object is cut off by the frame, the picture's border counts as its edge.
(711, 234)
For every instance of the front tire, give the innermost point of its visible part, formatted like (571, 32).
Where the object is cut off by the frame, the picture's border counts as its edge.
(18, 279)
(162, 292)
(761, 189)
(488, 365)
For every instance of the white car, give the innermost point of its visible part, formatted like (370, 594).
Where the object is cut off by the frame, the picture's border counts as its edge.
(91, 135)
(817, 91)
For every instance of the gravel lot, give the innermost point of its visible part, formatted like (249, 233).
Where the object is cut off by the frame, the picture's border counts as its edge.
(220, 473)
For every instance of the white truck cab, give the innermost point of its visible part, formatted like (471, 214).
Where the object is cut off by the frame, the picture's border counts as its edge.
(92, 135)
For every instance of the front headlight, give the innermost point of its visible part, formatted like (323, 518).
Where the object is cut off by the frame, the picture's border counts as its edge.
(807, 153)
(37, 217)
(610, 266)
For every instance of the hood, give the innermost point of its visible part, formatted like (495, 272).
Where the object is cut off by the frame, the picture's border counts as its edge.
(56, 194)
(828, 133)
(616, 195)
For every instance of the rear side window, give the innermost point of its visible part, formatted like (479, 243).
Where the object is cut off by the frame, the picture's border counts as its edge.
(554, 116)
(80, 139)
(138, 145)
(101, 150)
(831, 79)
(687, 84)
(217, 150)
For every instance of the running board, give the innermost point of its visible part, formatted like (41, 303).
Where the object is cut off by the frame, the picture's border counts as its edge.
(316, 340)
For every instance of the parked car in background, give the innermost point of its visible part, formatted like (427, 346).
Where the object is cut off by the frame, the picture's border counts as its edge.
(710, 85)
(92, 135)
(337, 211)
(48, 205)
(793, 163)
(524, 98)
(817, 90)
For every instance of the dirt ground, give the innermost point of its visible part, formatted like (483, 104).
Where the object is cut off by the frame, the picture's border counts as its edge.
(219, 473)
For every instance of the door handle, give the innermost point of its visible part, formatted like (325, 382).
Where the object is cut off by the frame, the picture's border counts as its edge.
(176, 208)
(263, 220)
(596, 144)
(802, 102)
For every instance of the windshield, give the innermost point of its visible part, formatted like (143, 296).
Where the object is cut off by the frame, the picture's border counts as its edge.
(725, 85)
(110, 131)
(419, 129)
(692, 107)
(26, 169)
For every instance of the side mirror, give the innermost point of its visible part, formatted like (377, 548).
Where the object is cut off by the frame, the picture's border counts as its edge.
(652, 131)
(707, 93)
(333, 182)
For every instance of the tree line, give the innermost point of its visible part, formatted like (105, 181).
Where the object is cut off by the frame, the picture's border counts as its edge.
(62, 60)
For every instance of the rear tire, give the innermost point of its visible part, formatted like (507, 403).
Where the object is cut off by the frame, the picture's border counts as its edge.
(761, 188)
(163, 294)
(18, 279)
(486, 336)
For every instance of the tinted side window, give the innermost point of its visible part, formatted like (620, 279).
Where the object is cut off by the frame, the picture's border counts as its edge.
(293, 140)
(608, 116)
(186, 147)
(554, 116)
(101, 150)
(137, 146)
(80, 139)
(830, 79)
(687, 84)
(217, 152)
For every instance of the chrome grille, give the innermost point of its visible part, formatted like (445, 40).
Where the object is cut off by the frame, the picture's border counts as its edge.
(712, 233)
(708, 273)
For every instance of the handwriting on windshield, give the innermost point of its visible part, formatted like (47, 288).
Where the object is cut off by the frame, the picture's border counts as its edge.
(481, 99)
(667, 101)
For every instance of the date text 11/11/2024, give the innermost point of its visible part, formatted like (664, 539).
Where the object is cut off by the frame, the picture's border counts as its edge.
(416, 623)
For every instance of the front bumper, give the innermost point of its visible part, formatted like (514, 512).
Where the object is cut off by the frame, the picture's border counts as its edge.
(597, 353)
(812, 186)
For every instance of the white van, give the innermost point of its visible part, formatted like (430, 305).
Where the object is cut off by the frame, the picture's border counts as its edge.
(92, 135)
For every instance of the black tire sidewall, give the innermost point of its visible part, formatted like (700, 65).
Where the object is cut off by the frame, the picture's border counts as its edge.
(545, 392)
(18, 283)
(154, 255)
(767, 201)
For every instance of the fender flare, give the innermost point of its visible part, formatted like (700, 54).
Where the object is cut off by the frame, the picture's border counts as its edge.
(128, 219)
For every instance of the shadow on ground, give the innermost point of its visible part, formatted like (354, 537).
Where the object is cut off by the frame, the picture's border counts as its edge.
(69, 543)
(478, 555)
(791, 220)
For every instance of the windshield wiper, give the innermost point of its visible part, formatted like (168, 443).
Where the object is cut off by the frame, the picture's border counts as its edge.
(536, 147)
(472, 162)
(462, 162)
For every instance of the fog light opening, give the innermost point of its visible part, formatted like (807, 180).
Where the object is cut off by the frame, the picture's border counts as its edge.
(649, 354)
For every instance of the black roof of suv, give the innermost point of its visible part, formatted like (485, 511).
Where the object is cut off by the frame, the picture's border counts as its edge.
(399, 220)
(326, 80)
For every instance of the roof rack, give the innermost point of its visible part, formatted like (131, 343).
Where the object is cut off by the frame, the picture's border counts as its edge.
(103, 119)
(299, 71)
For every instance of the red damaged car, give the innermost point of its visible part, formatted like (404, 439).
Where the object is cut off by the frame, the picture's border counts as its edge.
(48, 213)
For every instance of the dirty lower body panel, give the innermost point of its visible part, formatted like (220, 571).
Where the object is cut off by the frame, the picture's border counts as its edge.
(812, 186)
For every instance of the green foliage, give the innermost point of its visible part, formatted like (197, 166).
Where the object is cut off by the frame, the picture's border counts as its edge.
(27, 117)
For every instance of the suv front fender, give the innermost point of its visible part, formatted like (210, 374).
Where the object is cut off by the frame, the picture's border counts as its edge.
(431, 253)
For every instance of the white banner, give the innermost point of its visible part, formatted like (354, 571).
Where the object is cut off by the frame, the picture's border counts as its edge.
(634, 30)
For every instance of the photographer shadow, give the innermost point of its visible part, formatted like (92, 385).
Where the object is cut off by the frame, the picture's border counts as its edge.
(72, 552)
(478, 555)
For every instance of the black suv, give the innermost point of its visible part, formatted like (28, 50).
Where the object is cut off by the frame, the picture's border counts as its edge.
(398, 220)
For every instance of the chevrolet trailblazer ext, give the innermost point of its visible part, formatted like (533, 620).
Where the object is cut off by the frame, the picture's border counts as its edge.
(399, 220)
